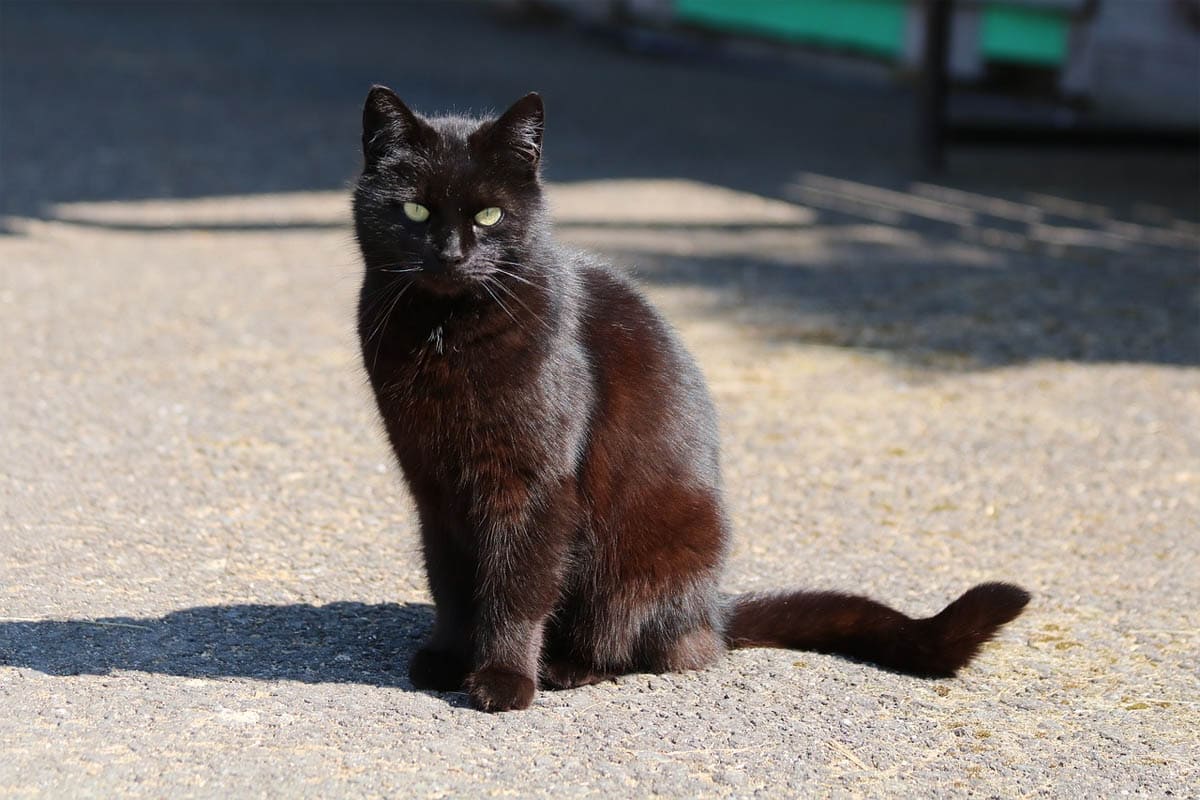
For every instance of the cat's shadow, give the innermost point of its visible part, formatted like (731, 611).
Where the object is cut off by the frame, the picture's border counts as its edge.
(344, 642)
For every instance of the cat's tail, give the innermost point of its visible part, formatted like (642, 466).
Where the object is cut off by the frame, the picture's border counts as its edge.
(858, 627)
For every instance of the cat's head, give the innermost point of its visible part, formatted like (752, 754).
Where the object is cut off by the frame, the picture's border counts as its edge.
(455, 200)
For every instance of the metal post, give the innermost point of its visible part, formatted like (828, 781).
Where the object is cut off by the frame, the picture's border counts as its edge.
(935, 83)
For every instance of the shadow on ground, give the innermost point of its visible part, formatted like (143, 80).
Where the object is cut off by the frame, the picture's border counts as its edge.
(129, 100)
(1089, 257)
(335, 643)
(945, 313)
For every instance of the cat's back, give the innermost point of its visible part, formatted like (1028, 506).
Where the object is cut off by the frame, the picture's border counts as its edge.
(651, 395)
(621, 326)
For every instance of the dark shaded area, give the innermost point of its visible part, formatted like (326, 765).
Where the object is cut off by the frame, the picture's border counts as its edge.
(955, 315)
(121, 101)
(250, 226)
(335, 643)
(109, 101)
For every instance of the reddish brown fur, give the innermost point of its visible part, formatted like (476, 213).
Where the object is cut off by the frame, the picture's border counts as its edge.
(560, 443)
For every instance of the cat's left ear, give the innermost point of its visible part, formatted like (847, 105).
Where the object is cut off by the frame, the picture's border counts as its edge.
(386, 122)
(519, 130)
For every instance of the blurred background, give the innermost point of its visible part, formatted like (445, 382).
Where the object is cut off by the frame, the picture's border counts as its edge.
(1059, 136)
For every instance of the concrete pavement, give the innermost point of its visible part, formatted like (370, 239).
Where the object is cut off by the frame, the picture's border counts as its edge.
(209, 581)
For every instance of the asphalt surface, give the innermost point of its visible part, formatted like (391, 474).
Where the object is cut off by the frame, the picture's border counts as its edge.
(209, 582)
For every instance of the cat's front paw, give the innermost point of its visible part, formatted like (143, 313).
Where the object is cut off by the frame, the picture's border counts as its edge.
(496, 689)
(437, 670)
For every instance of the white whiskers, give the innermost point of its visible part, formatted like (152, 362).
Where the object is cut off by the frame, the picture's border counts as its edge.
(485, 282)
(382, 324)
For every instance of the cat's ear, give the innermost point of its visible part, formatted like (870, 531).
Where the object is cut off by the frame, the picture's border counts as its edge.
(519, 130)
(386, 121)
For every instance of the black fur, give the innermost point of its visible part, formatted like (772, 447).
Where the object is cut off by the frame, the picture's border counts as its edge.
(560, 442)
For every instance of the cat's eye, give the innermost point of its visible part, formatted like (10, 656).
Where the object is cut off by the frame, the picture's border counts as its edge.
(416, 212)
(489, 216)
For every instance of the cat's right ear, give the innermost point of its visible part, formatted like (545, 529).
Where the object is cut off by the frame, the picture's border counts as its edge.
(386, 123)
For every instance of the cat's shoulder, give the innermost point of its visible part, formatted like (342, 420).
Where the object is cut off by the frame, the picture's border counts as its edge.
(606, 288)
(610, 300)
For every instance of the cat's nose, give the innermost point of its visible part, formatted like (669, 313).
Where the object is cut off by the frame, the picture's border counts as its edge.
(451, 250)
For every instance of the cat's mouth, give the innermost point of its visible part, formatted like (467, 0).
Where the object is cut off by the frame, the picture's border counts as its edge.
(449, 283)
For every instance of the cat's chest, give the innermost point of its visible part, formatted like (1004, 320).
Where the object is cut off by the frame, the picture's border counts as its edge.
(445, 397)
(443, 364)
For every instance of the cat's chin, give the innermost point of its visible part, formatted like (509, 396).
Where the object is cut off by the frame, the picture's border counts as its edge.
(446, 285)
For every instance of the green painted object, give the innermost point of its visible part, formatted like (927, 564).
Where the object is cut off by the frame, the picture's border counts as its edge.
(1010, 32)
(871, 26)
(1024, 35)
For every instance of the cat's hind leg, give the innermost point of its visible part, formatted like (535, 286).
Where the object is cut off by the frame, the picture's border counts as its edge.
(566, 673)
(695, 649)
(568, 658)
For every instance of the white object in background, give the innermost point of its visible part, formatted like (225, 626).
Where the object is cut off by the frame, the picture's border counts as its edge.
(1139, 60)
(965, 59)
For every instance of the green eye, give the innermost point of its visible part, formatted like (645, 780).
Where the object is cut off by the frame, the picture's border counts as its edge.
(489, 216)
(416, 212)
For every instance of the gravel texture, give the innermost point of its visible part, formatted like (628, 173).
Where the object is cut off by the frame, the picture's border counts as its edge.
(209, 581)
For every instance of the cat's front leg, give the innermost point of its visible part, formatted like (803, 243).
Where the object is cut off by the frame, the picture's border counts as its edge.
(521, 570)
(441, 665)
(444, 661)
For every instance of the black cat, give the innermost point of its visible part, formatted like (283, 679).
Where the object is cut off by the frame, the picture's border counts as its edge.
(560, 442)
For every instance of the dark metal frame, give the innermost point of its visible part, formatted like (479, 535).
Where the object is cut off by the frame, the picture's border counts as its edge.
(938, 131)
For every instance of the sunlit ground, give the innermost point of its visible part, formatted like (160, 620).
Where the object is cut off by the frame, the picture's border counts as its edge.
(209, 572)
(936, 276)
